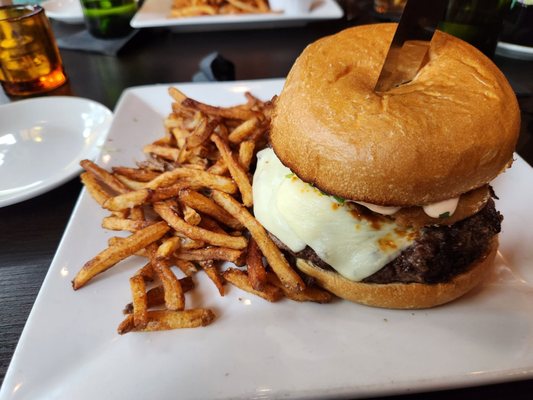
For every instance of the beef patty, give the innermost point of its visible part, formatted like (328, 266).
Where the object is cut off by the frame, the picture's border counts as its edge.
(439, 253)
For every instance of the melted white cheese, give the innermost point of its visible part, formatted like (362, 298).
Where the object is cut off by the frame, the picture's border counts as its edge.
(300, 215)
(268, 177)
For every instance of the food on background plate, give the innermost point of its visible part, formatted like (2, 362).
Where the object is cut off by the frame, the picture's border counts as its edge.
(185, 210)
(385, 199)
(194, 8)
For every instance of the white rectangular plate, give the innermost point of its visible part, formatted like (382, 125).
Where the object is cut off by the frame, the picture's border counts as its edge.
(155, 13)
(254, 349)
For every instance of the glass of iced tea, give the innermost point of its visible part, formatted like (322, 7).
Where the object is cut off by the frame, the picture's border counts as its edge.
(108, 18)
(29, 59)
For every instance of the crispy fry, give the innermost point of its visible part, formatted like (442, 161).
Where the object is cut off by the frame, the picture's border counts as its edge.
(140, 304)
(187, 267)
(202, 132)
(166, 152)
(104, 176)
(126, 325)
(189, 244)
(193, 11)
(176, 94)
(146, 272)
(243, 5)
(310, 293)
(191, 216)
(127, 200)
(256, 270)
(236, 170)
(136, 174)
(194, 232)
(159, 320)
(199, 177)
(96, 191)
(212, 272)
(218, 168)
(246, 153)
(130, 183)
(195, 8)
(207, 206)
(156, 296)
(210, 253)
(168, 247)
(236, 112)
(173, 190)
(123, 224)
(113, 254)
(211, 225)
(244, 130)
(137, 214)
(276, 260)
(174, 297)
(240, 279)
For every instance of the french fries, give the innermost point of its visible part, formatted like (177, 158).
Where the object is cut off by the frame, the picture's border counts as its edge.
(140, 302)
(160, 320)
(121, 250)
(194, 8)
(257, 274)
(186, 209)
(217, 239)
(240, 279)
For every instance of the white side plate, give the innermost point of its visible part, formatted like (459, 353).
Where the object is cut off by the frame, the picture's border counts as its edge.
(254, 349)
(155, 13)
(67, 11)
(43, 139)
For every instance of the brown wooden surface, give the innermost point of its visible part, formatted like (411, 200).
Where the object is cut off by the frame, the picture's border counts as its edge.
(30, 231)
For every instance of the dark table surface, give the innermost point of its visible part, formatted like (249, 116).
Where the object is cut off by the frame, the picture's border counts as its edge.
(30, 231)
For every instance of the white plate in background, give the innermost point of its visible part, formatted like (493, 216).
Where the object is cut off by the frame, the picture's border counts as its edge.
(513, 50)
(254, 349)
(67, 11)
(42, 141)
(155, 13)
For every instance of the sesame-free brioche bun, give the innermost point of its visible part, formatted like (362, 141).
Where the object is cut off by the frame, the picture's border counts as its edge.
(450, 130)
(403, 295)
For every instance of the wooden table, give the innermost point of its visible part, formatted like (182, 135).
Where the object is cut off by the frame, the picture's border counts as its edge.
(30, 231)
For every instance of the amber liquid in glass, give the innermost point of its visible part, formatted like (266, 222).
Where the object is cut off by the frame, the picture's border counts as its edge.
(29, 59)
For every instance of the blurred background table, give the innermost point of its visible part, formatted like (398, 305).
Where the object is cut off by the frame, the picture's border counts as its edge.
(30, 231)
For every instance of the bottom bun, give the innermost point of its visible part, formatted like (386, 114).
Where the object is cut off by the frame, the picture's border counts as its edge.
(403, 295)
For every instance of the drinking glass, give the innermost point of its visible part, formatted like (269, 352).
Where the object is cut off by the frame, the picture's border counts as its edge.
(476, 22)
(29, 59)
(108, 18)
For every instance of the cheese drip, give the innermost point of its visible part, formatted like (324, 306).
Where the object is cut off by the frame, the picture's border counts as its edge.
(300, 215)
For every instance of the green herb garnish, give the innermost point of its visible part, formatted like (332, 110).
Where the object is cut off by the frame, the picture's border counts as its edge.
(289, 175)
(445, 215)
(339, 199)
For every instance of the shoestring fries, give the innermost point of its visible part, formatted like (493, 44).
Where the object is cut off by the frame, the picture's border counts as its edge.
(194, 8)
(187, 208)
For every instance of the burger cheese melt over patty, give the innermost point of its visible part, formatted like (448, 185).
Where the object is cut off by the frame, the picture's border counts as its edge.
(360, 245)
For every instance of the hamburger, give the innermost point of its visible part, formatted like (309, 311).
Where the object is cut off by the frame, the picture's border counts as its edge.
(385, 199)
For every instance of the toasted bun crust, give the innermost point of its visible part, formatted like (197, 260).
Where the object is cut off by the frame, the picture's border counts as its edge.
(403, 295)
(459, 117)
